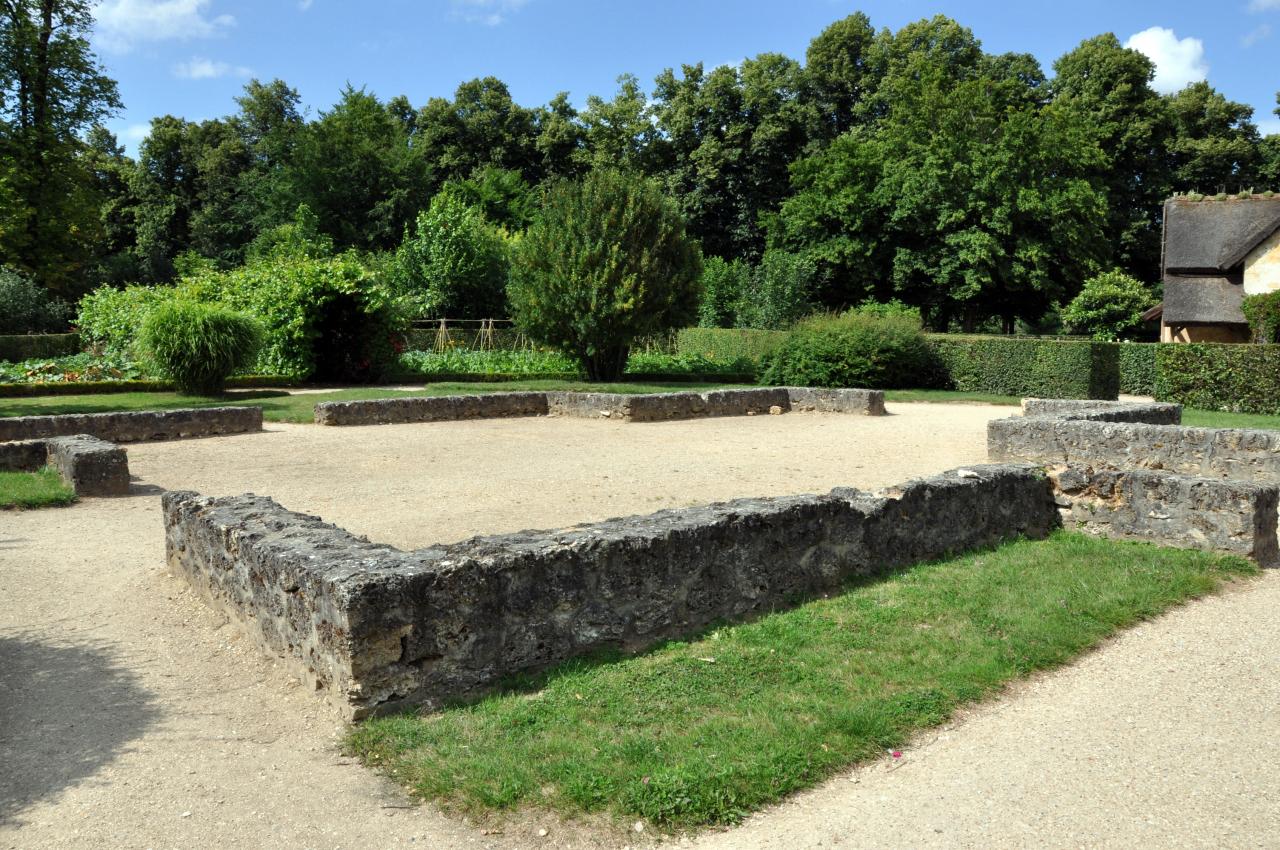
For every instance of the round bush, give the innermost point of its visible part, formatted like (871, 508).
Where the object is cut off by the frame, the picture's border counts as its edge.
(198, 346)
(28, 307)
(853, 350)
(607, 262)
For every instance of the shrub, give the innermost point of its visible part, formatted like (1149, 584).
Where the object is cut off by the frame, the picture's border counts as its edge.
(1026, 366)
(110, 318)
(198, 346)
(453, 264)
(780, 292)
(723, 285)
(1138, 368)
(1215, 376)
(465, 361)
(72, 368)
(607, 262)
(1263, 314)
(31, 346)
(734, 349)
(28, 308)
(1109, 307)
(852, 350)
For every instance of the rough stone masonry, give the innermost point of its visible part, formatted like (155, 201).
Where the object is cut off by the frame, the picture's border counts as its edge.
(376, 628)
(90, 466)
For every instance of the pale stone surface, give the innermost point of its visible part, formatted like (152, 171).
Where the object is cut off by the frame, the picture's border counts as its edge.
(1262, 267)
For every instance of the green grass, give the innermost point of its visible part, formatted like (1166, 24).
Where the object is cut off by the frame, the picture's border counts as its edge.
(282, 407)
(706, 731)
(1218, 419)
(40, 489)
(952, 396)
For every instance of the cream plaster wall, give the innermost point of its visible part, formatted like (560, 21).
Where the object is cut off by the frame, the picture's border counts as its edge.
(1262, 266)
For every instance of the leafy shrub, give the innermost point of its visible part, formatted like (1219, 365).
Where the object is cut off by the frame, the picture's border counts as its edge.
(28, 308)
(1263, 314)
(1138, 368)
(723, 283)
(74, 368)
(198, 346)
(1216, 376)
(780, 292)
(453, 264)
(733, 349)
(298, 238)
(685, 365)
(852, 350)
(110, 318)
(1109, 307)
(607, 262)
(1026, 366)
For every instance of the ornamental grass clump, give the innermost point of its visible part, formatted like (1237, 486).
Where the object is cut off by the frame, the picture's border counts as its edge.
(198, 346)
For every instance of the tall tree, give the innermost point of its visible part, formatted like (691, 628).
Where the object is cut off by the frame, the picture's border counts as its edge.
(270, 123)
(1269, 157)
(52, 89)
(1215, 142)
(840, 75)
(1109, 86)
(481, 126)
(618, 133)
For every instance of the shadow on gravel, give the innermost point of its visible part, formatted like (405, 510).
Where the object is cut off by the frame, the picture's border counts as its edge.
(66, 711)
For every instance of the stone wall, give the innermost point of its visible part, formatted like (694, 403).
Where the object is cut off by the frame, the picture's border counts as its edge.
(136, 426)
(90, 466)
(376, 628)
(641, 407)
(1152, 413)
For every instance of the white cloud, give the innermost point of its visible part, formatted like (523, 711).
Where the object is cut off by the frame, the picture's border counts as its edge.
(487, 12)
(1259, 33)
(1179, 61)
(123, 23)
(206, 69)
(1264, 5)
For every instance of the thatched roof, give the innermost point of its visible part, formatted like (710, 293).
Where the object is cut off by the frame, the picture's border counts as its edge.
(1202, 300)
(1214, 236)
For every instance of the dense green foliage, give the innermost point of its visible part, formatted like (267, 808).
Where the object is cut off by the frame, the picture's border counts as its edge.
(453, 264)
(27, 308)
(723, 282)
(1109, 306)
(110, 318)
(739, 347)
(1236, 378)
(71, 368)
(771, 295)
(463, 361)
(1138, 369)
(607, 261)
(1023, 366)
(706, 730)
(855, 349)
(198, 346)
(1263, 313)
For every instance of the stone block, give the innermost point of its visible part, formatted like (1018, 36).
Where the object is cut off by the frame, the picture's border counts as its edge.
(136, 426)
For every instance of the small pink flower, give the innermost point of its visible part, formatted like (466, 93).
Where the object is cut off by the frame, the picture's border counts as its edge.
(897, 754)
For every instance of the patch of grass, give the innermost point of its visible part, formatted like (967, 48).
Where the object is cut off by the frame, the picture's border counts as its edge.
(1219, 419)
(283, 407)
(951, 396)
(705, 731)
(41, 489)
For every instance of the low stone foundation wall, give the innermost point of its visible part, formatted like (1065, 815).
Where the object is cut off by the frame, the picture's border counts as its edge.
(1151, 413)
(376, 628)
(1173, 510)
(640, 407)
(91, 466)
(136, 426)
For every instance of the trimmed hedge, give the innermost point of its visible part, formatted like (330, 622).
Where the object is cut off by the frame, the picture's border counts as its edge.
(1028, 366)
(1220, 376)
(19, 347)
(1138, 368)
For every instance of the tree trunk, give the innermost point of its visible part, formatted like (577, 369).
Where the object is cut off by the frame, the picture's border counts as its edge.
(607, 364)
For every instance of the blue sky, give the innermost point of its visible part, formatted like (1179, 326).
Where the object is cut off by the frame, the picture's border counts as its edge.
(191, 57)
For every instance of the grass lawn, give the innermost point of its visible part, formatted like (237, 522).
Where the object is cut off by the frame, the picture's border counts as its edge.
(705, 731)
(282, 407)
(950, 396)
(1218, 419)
(34, 489)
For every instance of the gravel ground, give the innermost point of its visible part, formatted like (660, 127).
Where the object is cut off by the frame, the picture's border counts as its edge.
(133, 716)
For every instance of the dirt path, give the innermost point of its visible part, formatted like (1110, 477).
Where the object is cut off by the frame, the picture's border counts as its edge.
(133, 716)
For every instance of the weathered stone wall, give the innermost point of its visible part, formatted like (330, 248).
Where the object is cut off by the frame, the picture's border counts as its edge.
(91, 466)
(136, 426)
(1152, 413)
(377, 628)
(646, 407)
(1173, 510)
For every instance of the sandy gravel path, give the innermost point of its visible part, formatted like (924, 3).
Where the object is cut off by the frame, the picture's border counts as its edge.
(133, 716)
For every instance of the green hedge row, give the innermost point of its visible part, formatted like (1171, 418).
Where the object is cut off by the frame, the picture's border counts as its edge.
(1217, 376)
(16, 348)
(1138, 368)
(1028, 366)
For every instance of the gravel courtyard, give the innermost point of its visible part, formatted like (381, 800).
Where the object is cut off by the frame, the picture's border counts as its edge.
(133, 716)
